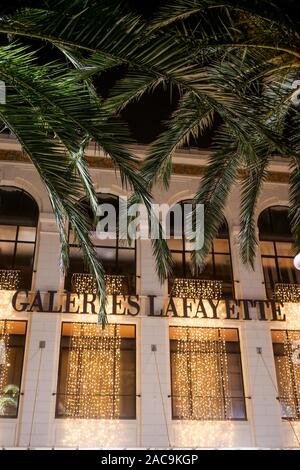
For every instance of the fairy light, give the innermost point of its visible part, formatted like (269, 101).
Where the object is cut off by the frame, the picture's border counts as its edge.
(93, 376)
(86, 284)
(9, 279)
(200, 374)
(289, 378)
(197, 288)
(287, 292)
(4, 353)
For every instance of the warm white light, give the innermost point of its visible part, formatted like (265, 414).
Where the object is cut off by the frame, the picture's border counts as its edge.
(297, 261)
(2, 352)
(93, 375)
(4, 338)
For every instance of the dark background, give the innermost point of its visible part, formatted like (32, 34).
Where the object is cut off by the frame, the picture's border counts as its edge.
(147, 117)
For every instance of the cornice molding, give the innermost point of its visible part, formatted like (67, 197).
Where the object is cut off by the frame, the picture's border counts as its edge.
(105, 163)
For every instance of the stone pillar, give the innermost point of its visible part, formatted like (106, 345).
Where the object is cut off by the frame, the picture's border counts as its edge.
(154, 410)
(263, 407)
(40, 377)
(47, 275)
(42, 351)
(259, 369)
(249, 282)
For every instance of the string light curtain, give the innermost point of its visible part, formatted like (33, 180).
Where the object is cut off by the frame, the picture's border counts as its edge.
(93, 374)
(86, 284)
(197, 289)
(287, 292)
(9, 279)
(200, 385)
(286, 345)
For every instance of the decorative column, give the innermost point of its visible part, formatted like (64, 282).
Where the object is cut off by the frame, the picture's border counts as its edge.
(47, 272)
(249, 282)
(154, 405)
(257, 354)
(42, 351)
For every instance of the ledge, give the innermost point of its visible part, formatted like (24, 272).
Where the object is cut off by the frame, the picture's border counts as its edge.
(97, 159)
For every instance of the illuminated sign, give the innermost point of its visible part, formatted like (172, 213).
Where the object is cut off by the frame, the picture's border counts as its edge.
(134, 305)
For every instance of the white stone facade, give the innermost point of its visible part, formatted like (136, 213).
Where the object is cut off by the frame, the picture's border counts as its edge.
(36, 425)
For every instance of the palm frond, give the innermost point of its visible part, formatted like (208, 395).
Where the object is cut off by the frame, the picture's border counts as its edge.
(183, 9)
(221, 173)
(251, 189)
(190, 120)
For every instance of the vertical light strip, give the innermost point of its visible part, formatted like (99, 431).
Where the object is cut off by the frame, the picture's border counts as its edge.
(288, 383)
(4, 353)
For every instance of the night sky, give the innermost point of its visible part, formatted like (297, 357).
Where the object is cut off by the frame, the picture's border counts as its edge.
(146, 118)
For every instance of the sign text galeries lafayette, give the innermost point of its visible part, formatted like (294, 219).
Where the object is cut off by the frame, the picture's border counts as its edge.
(134, 305)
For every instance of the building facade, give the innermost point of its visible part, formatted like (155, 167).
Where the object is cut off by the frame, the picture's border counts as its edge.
(208, 360)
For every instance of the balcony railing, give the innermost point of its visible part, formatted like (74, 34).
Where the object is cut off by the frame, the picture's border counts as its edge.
(287, 292)
(290, 408)
(9, 279)
(196, 288)
(83, 283)
(208, 407)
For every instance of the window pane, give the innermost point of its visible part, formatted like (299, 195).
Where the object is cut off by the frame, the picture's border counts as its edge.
(223, 267)
(97, 372)
(279, 221)
(27, 234)
(270, 272)
(175, 244)
(108, 258)
(111, 251)
(17, 207)
(287, 270)
(24, 261)
(189, 246)
(24, 255)
(221, 245)
(8, 232)
(12, 343)
(178, 264)
(284, 249)
(107, 242)
(127, 379)
(288, 372)
(206, 378)
(126, 261)
(72, 239)
(76, 261)
(126, 244)
(6, 255)
(267, 248)
(191, 269)
(208, 272)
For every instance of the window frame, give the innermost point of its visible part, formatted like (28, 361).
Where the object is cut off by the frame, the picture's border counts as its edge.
(22, 367)
(176, 418)
(56, 415)
(117, 248)
(17, 242)
(211, 253)
(274, 239)
(296, 395)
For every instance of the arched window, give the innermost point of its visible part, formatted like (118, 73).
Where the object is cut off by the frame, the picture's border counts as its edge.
(275, 240)
(116, 255)
(218, 266)
(19, 215)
